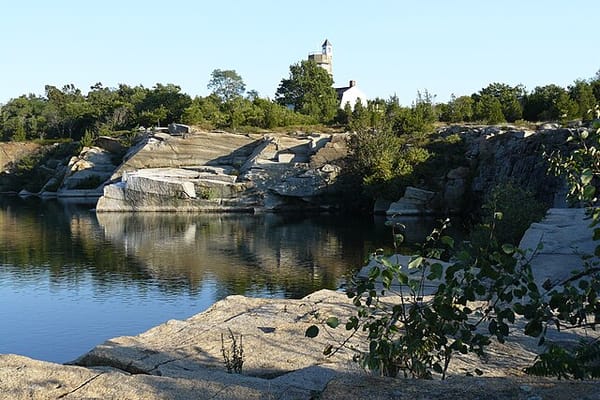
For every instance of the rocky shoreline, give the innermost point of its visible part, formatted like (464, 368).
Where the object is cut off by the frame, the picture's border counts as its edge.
(220, 171)
(184, 359)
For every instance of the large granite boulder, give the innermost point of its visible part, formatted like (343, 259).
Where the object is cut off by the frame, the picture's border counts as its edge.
(559, 244)
(177, 189)
(414, 202)
(89, 170)
(228, 172)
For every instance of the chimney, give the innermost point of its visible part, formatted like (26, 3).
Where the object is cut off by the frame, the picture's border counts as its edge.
(352, 83)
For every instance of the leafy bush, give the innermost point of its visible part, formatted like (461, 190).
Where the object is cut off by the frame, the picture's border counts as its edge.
(519, 210)
(384, 165)
(419, 333)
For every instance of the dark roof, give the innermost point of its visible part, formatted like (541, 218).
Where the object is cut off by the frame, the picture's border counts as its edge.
(340, 91)
(326, 43)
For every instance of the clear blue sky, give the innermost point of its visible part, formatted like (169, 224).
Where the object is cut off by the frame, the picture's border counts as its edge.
(388, 47)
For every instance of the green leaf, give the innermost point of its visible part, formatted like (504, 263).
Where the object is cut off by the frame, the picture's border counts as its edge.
(503, 329)
(586, 176)
(436, 271)
(519, 309)
(508, 248)
(498, 216)
(398, 239)
(415, 262)
(402, 278)
(387, 277)
(533, 328)
(448, 241)
(493, 327)
(328, 349)
(352, 324)
(312, 331)
(374, 273)
(588, 192)
(584, 134)
(332, 322)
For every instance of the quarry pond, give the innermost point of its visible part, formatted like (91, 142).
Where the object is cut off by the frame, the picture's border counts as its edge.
(71, 279)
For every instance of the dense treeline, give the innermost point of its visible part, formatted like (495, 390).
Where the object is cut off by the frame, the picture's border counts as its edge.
(69, 113)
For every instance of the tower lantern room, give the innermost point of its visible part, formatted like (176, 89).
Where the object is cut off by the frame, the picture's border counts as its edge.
(324, 59)
(327, 48)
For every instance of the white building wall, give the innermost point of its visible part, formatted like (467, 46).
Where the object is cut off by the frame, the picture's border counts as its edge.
(351, 96)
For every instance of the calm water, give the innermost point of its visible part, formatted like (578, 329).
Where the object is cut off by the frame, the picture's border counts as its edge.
(71, 279)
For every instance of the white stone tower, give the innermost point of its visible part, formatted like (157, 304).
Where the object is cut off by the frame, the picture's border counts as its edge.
(324, 59)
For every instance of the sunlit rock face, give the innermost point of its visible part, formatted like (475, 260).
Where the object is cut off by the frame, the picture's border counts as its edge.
(226, 172)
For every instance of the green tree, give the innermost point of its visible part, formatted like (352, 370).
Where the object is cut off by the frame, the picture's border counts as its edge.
(458, 109)
(595, 84)
(418, 119)
(583, 95)
(540, 104)
(309, 91)
(359, 117)
(112, 112)
(488, 109)
(566, 108)
(509, 97)
(226, 84)
(23, 116)
(165, 102)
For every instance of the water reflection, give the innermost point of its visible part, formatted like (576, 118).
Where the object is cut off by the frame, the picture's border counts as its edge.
(70, 279)
(243, 254)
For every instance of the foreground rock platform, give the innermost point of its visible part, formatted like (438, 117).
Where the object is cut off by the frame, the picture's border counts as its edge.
(183, 360)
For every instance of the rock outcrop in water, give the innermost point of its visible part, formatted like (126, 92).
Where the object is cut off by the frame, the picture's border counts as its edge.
(225, 172)
(251, 172)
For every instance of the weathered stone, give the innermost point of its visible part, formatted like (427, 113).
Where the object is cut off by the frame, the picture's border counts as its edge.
(199, 148)
(110, 144)
(179, 129)
(381, 206)
(92, 165)
(265, 150)
(23, 378)
(458, 173)
(564, 236)
(549, 126)
(160, 185)
(418, 194)
(464, 388)
(184, 348)
(414, 202)
(285, 157)
(334, 150)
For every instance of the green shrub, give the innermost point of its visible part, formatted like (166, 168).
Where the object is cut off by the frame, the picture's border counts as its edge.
(418, 334)
(518, 209)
